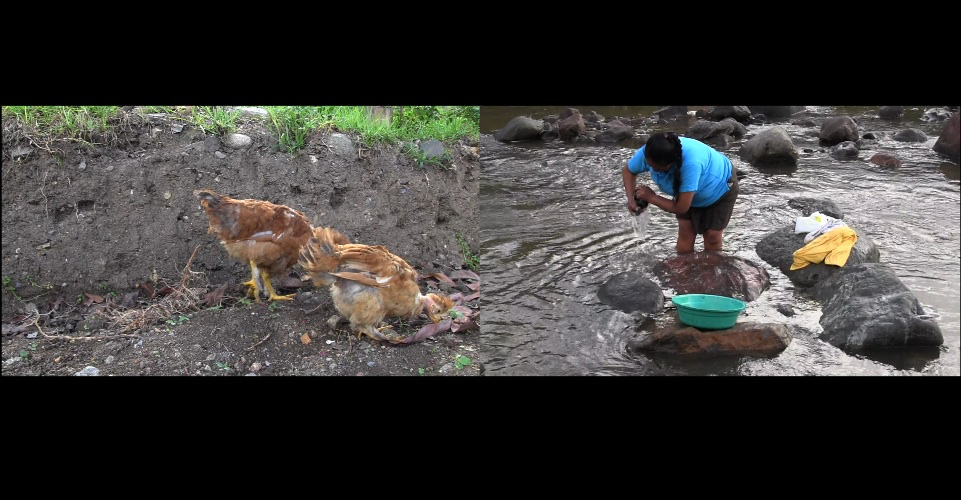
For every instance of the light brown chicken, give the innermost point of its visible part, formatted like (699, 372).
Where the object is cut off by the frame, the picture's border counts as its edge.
(266, 235)
(368, 283)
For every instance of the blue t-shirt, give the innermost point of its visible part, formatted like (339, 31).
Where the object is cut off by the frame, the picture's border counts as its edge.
(703, 170)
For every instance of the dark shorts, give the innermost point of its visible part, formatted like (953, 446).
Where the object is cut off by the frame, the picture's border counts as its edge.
(714, 216)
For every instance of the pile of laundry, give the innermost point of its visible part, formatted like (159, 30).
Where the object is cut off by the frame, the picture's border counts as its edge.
(828, 241)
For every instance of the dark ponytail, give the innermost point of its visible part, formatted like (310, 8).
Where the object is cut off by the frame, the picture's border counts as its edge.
(665, 149)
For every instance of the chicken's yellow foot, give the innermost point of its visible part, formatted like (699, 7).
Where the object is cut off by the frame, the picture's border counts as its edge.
(270, 290)
(252, 284)
(375, 334)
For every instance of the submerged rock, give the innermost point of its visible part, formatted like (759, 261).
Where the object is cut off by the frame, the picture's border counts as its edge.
(631, 292)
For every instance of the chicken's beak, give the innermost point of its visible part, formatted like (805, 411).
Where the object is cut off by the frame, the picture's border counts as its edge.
(429, 309)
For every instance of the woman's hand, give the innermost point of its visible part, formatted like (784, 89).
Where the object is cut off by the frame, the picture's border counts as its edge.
(644, 193)
(632, 207)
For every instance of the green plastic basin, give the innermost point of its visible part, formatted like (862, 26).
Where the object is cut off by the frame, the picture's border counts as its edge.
(708, 311)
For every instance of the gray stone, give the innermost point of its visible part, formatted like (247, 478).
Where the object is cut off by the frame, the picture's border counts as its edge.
(808, 206)
(771, 147)
(342, 145)
(520, 128)
(910, 135)
(90, 371)
(630, 292)
(891, 112)
(237, 141)
(253, 112)
(838, 129)
(739, 113)
(20, 151)
(432, 148)
(949, 142)
(866, 305)
(846, 150)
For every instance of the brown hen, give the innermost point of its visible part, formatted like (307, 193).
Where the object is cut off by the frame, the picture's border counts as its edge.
(368, 283)
(267, 236)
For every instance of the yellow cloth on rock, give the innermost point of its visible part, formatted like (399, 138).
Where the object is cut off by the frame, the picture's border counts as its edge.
(833, 247)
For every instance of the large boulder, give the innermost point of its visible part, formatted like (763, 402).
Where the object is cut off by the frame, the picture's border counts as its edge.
(838, 129)
(771, 147)
(743, 339)
(778, 247)
(846, 150)
(867, 306)
(631, 292)
(571, 127)
(703, 130)
(714, 273)
(739, 113)
(891, 112)
(615, 133)
(521, 128)
(808, 206)
(910, 135)
(949, 143)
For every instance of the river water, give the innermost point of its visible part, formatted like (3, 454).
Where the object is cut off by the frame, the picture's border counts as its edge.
(554, 228)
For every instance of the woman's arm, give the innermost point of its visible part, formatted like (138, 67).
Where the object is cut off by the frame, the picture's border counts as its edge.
(666, 204)
(630, 181)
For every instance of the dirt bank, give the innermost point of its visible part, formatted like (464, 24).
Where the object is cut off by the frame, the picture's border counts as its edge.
(93, 232)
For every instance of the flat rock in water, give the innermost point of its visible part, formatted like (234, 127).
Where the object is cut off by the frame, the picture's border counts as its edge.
(743, 339)
(713, 273)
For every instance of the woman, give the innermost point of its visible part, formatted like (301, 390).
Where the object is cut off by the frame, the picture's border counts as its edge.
(701, 182)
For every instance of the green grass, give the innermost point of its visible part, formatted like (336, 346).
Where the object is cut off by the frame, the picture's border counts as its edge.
(292, 125)
(470, 259)
(214, 119)
(71, 122)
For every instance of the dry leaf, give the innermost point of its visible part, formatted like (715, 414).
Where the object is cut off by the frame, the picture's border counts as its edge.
(215, 296)
(91, 299)
(442, 278)
(429, 330)
(466, 325)
(305, 339)
(464, 274)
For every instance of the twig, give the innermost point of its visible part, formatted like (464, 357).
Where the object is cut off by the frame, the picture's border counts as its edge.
(70, 337)
(314, 309)
(186, 274)
(42, 184)
(258, 343)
